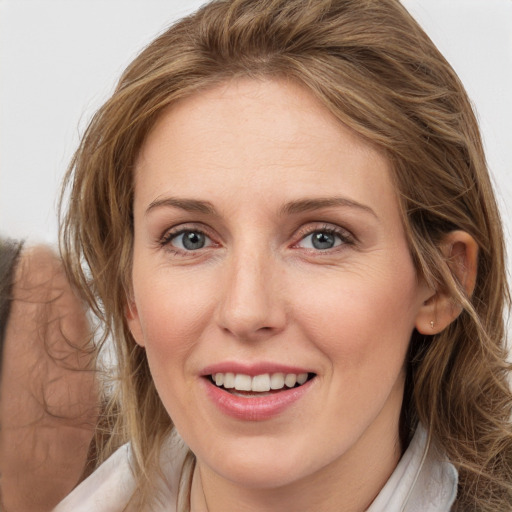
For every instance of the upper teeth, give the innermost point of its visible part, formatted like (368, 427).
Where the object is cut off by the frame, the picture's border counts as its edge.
(258, 383)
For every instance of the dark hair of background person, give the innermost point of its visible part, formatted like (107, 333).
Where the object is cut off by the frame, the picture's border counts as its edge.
(9, 253)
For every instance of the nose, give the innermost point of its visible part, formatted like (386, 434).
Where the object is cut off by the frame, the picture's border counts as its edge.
(252, 304)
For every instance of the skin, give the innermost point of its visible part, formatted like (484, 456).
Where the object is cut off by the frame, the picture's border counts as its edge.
(49, 396)
(260, 292)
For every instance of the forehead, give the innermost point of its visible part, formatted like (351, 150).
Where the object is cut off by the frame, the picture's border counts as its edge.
(272, 137)
(288, 111)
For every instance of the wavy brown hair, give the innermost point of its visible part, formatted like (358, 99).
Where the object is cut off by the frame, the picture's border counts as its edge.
(375, 69)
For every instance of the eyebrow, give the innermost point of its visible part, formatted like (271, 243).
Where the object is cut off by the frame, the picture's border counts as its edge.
(291, 208)
(306, 205)
(189, 205)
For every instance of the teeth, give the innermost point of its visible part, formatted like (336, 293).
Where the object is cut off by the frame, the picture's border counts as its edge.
(290, 380)
(259, 383)
(301, 378)
(229, 380)
(277, 381)
(243, 382)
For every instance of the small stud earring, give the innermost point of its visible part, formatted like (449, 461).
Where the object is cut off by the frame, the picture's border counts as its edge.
(432, 323)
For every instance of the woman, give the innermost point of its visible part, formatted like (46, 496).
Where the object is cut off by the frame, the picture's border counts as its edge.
(291, 236)
(48, 391)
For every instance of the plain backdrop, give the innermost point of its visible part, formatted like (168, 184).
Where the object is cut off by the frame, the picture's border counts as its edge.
(59, 60)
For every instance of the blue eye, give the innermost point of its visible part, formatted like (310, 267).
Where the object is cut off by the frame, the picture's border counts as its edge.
(190, 240)
(321, 240)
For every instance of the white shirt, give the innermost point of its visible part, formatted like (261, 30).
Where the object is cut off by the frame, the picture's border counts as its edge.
(421, 482)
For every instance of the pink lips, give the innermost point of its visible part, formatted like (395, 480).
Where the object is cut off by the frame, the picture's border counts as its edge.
(253, 408)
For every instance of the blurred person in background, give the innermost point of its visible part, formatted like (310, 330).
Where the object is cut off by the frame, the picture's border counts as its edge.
(48, 389)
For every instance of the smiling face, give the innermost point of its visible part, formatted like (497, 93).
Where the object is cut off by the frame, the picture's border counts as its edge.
(269, 249)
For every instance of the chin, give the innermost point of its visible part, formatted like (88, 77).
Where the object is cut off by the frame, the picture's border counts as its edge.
(262, 475)
(268, 463)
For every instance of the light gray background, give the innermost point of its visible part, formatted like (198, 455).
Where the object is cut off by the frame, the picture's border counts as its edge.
(59, 60)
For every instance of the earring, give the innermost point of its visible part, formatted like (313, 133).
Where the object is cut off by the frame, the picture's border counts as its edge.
(432, 323)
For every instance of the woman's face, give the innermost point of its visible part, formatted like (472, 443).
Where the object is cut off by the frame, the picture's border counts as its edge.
(268, 250)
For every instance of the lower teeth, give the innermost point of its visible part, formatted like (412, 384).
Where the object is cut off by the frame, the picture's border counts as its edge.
(249, 394)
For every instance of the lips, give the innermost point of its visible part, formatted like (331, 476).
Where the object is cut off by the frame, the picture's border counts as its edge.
(256, 393)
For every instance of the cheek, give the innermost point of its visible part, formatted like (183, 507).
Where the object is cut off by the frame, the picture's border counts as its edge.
(173, 313)
(363, 322)
(173, 316)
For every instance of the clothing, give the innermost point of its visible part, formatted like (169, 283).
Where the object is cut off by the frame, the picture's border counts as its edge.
(421, 482)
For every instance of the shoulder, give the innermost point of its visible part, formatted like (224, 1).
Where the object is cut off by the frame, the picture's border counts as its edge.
(113, 484)
(108, 489)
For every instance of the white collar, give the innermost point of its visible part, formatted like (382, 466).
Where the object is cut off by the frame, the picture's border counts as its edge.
(421, 482)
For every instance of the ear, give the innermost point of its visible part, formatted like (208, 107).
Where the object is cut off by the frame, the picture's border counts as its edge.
(133, 321)
(461, 254)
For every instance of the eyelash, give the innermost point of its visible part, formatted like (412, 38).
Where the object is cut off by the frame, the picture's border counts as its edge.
(344, 236)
